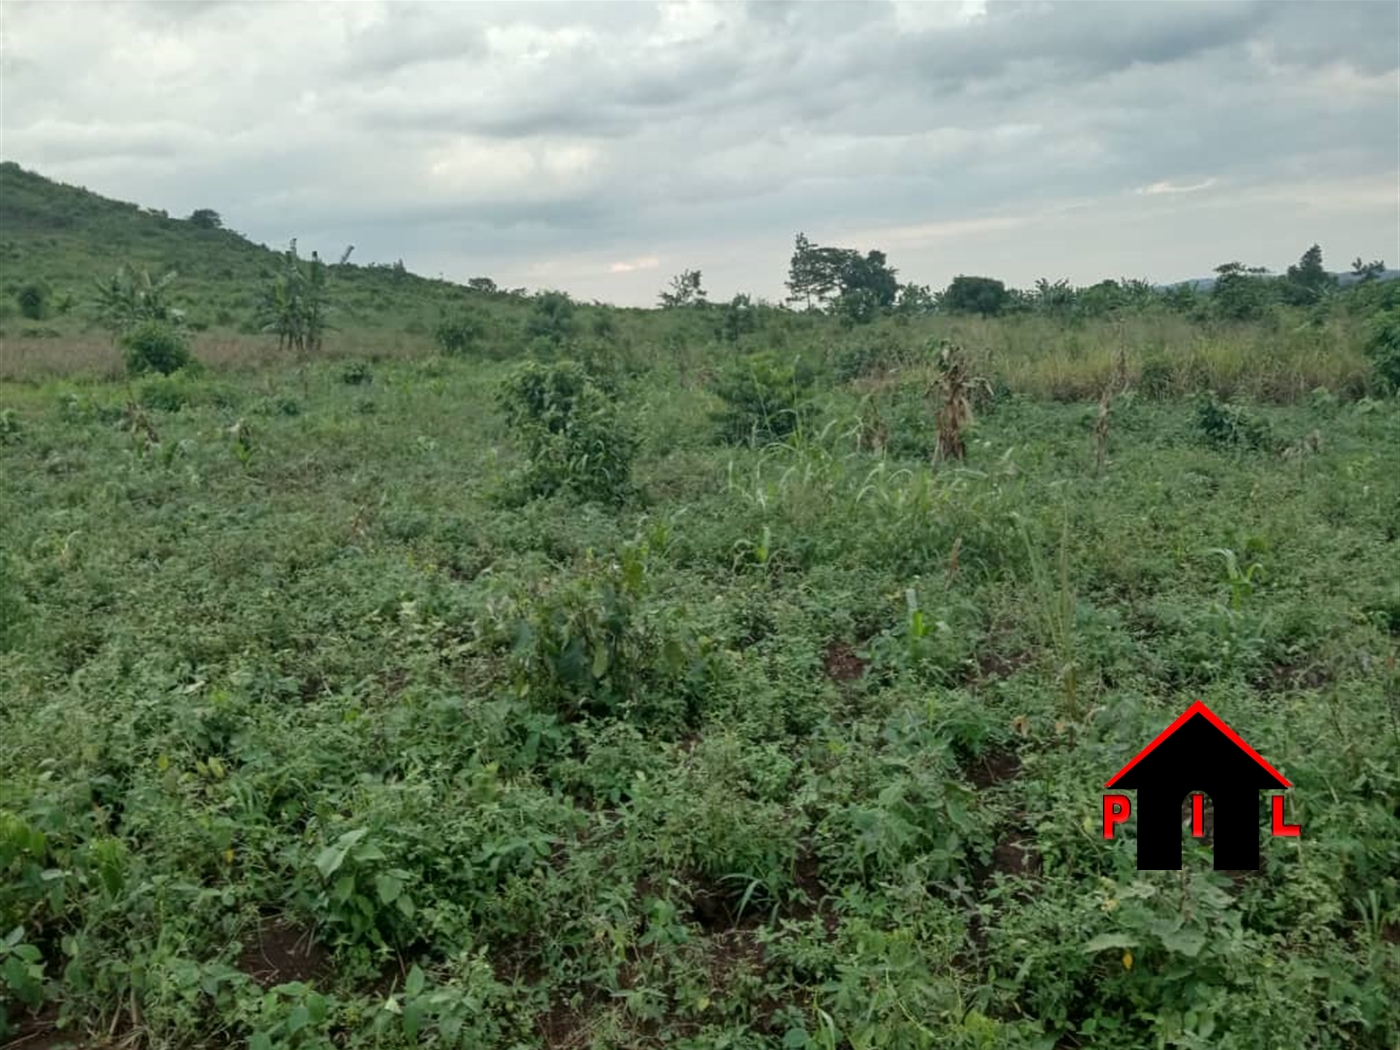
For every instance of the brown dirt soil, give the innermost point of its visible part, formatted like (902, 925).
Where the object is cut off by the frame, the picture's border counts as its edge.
(841, 663)
(1016, 854)
(992, 768)
(281, 953)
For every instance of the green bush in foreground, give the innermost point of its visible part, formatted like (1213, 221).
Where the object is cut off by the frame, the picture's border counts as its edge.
(574, 437)
(765, 399)
(155, 347)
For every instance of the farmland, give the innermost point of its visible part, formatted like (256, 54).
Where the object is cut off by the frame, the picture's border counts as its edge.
(347, 704)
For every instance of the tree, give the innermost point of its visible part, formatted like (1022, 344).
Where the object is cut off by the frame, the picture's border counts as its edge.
(1056, 300)
(975, 295)
(482, 284)
(857, 306)
(809, 279)
(295, 302)
(1370, 271)
(206, 219)
(737, 319)
(1307, 282)
(816, 274)
(914, 299)
(1240, 294)
(130, 299)
(685, 290)
(869, 273)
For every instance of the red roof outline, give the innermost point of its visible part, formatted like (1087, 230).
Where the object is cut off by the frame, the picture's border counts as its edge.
(1199, 708)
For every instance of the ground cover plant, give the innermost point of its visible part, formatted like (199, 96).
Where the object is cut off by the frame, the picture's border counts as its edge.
(543, 687)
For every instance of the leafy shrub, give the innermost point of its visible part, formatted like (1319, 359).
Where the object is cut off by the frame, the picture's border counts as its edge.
(1224, 425)
(551, 319)
(1383, 347)
(737, 318)
(868, 357)
(856, 307)
(33, 300)
(765, 399)
(155, 347)
(458, 335)
(582, 648)
(165, 393)
(10, 428)
(574, 437)
(1156, 379)
(356, 373)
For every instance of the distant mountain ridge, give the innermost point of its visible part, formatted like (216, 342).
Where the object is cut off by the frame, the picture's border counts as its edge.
(1344, 280)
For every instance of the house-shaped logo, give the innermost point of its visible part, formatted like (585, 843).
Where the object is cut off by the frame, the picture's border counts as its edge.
(1196, 755)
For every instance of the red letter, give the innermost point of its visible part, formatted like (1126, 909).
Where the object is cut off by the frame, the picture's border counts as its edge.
(1198, 815)
(1280, 828)
(1116, 809)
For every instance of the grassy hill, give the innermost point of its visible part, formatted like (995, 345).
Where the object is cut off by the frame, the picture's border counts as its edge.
(68, 238)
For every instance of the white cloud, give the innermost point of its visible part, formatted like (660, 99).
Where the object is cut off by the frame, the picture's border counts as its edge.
(646, 262)
(1167, 186)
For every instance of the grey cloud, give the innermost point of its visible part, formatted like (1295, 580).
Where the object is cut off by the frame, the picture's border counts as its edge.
(558, 137)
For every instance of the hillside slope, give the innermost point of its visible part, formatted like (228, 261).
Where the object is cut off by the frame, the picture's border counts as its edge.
(68, 238)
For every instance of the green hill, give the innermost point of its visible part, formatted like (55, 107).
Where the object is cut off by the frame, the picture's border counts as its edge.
(67, 238)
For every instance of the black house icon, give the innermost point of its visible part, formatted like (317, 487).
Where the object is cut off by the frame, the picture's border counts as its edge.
(1198, 753)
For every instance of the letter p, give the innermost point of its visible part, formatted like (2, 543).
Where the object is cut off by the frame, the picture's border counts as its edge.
(1116, 809)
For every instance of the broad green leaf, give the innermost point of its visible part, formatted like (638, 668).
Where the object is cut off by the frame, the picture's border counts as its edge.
(1105, 941)
(388, 888)
(329, 860)
(296, 1020)
(415, 982)
(1184, 942)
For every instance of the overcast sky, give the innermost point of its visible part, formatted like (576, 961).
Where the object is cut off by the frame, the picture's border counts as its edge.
(601, 148)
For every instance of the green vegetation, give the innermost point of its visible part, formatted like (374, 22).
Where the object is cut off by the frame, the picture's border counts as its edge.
(717, 677)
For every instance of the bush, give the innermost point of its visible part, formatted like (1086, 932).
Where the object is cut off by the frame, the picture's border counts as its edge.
(33, 301)
(870, 357)
(1224, 425)
(457, 335)
(574, 437)
(764, 399)
(165, 393)
(155, 347)
(1156, 380)
(356, 373)
(1383, 347)
(552, 318)
(10, 428)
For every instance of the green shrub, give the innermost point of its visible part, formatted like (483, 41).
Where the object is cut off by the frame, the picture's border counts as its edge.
(356, 373)
(1383, 347)
(10, 428)
(869, 357)
(155, 347)
(551, 319)
(574, 437)
(765, 399)
(1224, 425)
(1156, 380)
(582, 647)
(165, 393)
(33, 300)
(457, 335)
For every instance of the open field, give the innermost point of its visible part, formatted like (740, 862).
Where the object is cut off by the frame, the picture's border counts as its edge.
(317, 733)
